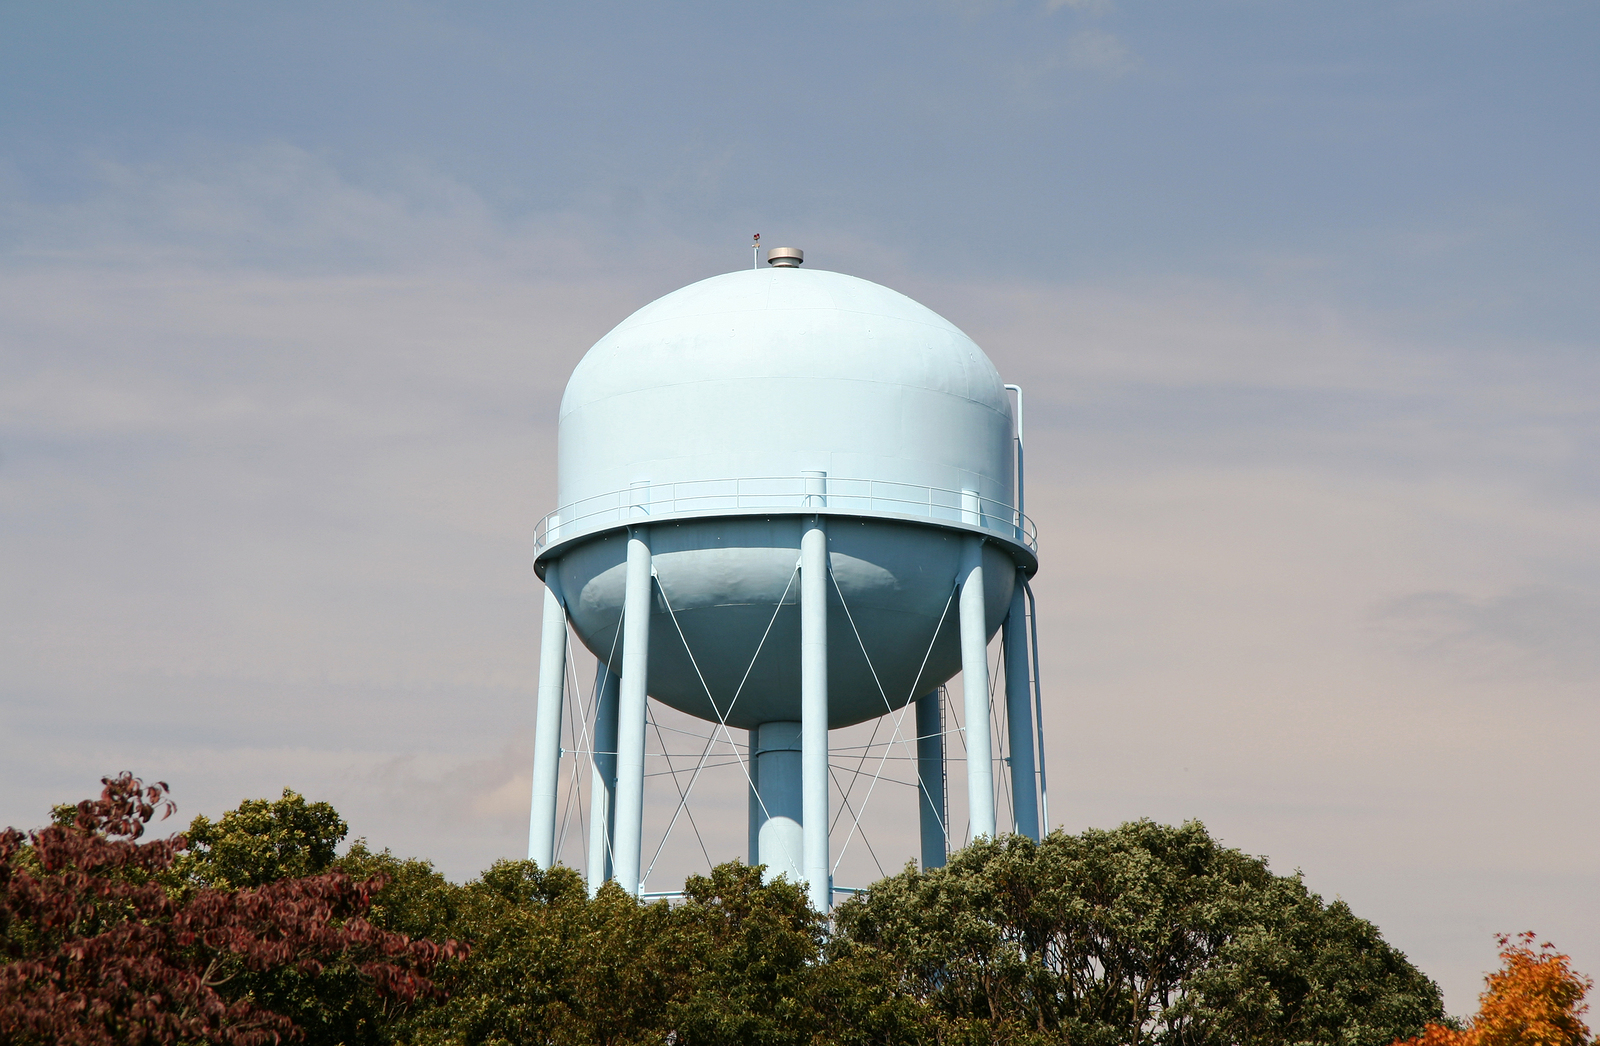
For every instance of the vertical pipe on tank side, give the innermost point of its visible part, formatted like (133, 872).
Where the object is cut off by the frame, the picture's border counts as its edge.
(638, 595)
(975, 692)
(547, 731)
(1019, 714)
(603, 778)
(814, 709)
(930, 779)
(1038, 707)
(753, 829)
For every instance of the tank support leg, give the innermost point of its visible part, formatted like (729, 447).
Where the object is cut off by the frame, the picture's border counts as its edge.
(930, 778)
(1019, 715)
(637, 599)
(975, 693)
(547, 731)
(814, 710)
(603, 778)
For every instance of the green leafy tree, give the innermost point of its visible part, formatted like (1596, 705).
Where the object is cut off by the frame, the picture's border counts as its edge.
(549, 965)
(755, 981)
(1147, 933)
(261, 842)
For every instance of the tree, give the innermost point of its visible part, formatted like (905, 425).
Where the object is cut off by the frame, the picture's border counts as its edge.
(97, 950)
(736, 962)
(756, 963)
(261, 842)
(550, 965)
(1534, 999)
(1147, 933)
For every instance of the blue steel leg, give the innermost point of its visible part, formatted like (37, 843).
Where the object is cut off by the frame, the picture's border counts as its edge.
(603, 778)
(753, 829)
(632, 696)
(930, 779)
(547, 732)
(1019, 715)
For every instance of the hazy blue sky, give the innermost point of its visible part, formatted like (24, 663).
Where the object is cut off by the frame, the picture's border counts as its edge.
(1304, 298)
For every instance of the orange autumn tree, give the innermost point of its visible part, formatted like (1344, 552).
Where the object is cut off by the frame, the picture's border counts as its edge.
(1534, 999)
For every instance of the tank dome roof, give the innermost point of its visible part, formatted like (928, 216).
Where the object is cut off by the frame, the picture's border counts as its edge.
(725, 394)
(785, 323)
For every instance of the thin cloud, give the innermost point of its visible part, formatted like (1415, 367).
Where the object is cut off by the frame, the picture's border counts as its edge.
(1087, 7)
(268, 520)
(1537, 629)
(1100, 52)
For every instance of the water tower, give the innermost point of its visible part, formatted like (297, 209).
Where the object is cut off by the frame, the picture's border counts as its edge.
(790, 501)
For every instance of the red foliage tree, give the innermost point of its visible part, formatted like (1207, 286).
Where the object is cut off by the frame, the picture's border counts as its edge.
(95, 951)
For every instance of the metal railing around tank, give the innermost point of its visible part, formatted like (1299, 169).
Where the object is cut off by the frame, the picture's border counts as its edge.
(752, 496)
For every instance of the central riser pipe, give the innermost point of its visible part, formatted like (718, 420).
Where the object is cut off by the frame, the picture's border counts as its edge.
(779, 781)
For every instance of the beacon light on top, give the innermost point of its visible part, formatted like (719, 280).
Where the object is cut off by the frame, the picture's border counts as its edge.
(789, 500)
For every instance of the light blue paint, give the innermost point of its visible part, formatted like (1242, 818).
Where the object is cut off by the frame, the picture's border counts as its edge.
(778, 779)
(826, 472)
(603, 777)
(814, 703)
(1019, 716)
(975, 636)
(547, 732)
(631, 699)
(931, 804)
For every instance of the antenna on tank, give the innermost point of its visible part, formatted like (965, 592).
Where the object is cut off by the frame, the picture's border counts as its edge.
(755, 251)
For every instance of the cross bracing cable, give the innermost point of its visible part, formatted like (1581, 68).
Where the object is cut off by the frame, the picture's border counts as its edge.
(594, 704)
(997, 714)
(579, 719)
(857, 817)
(722, 717)
(683, 802)
(722, 720)
(691, 755)
(897, 715)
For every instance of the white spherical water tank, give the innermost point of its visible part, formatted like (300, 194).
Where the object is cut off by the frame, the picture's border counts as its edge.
(701, 442)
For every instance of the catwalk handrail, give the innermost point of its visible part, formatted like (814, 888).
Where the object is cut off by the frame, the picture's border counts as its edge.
(702, 497)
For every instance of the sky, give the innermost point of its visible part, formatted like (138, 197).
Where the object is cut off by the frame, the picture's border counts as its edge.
(1303, 298)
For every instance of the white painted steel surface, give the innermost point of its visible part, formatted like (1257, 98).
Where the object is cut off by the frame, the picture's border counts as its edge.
(765, 495)
(733, 588)
(975, 635)
(814, 708)
(792, 494)
(631, 699)
(777, 372)
(1019, 717)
